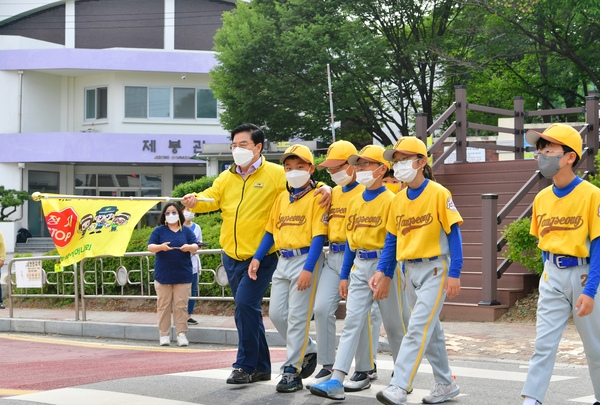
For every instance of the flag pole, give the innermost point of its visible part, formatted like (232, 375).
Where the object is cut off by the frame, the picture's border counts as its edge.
(37, 196)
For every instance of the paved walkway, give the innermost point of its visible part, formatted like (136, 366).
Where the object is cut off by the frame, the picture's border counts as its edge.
(465, 340)
(501, 341)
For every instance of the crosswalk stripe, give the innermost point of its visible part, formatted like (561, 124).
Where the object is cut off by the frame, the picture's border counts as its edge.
(77, 396)
(474, 372)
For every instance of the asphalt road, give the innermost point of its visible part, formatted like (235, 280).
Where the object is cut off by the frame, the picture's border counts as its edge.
(42, 369)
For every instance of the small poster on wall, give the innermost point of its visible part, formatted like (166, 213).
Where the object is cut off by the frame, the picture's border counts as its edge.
(29, 274)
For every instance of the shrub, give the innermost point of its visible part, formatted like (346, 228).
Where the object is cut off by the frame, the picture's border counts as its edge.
(322, 175)
(522, 246)
(595, 180)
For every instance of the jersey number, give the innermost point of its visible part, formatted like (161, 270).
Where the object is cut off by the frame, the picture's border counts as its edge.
(584, 279)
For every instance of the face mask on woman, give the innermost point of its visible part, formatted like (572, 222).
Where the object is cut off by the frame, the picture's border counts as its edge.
(297, 178)
(171, 218)
(188, 215)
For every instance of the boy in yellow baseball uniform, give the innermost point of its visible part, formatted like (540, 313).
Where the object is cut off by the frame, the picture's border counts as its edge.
(365, 235)
(423, 232)
(297, 226)
(328, 297)
(566, 220)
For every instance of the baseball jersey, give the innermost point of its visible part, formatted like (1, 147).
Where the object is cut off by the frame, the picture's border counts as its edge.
(366, 221)
(566, 225)
(294, 224)
(337, 212)
(422, 225)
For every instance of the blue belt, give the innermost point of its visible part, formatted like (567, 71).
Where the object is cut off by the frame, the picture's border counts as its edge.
(368, 254)
(429, 259)
(563, 262)
(289, 253)
(337, 247)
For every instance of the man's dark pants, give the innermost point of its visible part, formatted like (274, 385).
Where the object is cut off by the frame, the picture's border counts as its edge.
(253, 351)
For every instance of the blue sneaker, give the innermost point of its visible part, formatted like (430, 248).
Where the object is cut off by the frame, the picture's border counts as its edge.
(332, 389)
(290, 381)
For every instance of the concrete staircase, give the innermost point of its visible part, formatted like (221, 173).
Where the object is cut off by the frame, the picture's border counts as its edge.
(467, 181)
(36, 245)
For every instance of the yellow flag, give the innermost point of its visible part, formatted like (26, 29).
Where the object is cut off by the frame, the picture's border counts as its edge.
(83, 228)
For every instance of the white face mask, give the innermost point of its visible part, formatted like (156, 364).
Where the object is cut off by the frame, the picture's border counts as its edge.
(188, 215)
(405, 172)
(366, 178)
(297, 178)
(172, 219)
(341, 178)
(242, 156)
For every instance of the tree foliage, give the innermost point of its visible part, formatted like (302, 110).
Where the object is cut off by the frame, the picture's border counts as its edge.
(392, 59)
(10, 200)
(273, 61)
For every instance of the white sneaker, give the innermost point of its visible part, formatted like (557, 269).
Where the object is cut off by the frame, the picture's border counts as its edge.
(165, 340)
(358, 382)
(322, 376)
(392, 395)
(182, 340)
(440, 393)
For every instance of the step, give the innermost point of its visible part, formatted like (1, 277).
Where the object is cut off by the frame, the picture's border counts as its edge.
(460, 312)
(525, 281)
(473, 295)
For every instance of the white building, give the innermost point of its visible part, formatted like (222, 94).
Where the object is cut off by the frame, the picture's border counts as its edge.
(106, 97)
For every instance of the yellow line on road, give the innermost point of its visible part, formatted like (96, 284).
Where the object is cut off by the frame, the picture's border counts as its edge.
(101, 345)
(5, 392)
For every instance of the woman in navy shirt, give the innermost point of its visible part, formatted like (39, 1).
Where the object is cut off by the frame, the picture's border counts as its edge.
(174, 245)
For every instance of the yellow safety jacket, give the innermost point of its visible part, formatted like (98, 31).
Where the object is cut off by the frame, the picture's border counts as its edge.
(245, 205)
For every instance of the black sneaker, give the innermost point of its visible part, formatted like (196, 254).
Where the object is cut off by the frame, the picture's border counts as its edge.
(239, 376)
(359, 381)
(373, 373)
(309, 364)
(2, 306)
(290, 381)
(261, 376)
(192, 321)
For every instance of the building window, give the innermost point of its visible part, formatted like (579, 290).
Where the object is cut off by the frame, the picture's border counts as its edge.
(206, 104)
(164, 102)
(159, 102)
(96, 103)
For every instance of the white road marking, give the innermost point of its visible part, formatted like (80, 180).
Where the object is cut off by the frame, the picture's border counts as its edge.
(77, 396)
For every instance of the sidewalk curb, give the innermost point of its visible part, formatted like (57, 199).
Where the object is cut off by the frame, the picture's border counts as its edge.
(195, 334)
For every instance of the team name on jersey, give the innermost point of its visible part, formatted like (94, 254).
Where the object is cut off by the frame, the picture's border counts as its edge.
(290, 220)
(356, 221)
(407, 224)
(337, 212)
(558, 223)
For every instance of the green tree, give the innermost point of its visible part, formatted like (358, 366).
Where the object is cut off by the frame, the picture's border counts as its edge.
(273, 58)
(541, 50)
(10, 200)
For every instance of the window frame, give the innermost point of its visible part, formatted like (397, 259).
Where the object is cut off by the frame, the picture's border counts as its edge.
(171, 116)
(97, 103)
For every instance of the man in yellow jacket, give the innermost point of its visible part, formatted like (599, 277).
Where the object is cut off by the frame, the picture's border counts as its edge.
(244, 194)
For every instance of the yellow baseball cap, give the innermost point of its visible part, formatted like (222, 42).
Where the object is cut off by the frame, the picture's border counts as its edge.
(338, 154)
(374, 153)
(409, 145)
(561, 134)
(300, 151)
